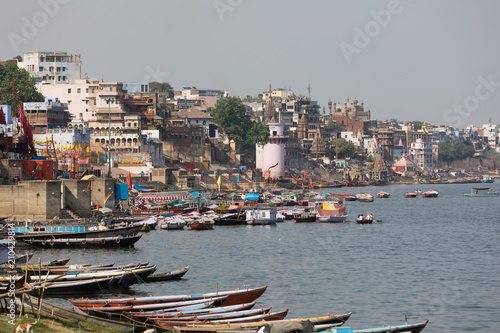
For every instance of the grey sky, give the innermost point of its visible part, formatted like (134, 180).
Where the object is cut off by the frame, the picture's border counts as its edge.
(430, 56)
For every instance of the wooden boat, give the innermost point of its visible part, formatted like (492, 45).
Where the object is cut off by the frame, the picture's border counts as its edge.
(321, 320)
(173, 275)
(331, 212)
(218, 316)
(144, 315)
(173, 306)
(32, 303)
(364, 197)
(410, 194)
(237, 296)
(430, 194)
(481, 192)
(257, 318)
(147, 224)
(162, 212)
(406, 328)
(95, 269)
(305, 218)
(77, 287)
(201, 225)
(383, 194)
(30, 237)
(350, 198)
(173, 224)
(361, 219)
(117, 241)
(43, 270)
(127, 277)
(231, 219)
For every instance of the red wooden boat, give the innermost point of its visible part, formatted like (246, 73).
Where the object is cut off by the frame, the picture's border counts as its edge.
(234, 297)
(209, 317)
(411, 194)
(252, 319)
(187, 313)
(201, 225)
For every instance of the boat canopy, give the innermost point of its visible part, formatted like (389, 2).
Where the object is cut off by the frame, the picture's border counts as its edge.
(481, 188)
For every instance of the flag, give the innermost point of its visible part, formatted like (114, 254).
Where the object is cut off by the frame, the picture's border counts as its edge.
(190, 167)
(310, 183)
(2, 117)
(97, 207)
(129, 181)
(218, 183)
(88, 186)
(238, 180)
(107, 197)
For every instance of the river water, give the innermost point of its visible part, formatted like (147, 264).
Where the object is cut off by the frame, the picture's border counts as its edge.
(436, 258)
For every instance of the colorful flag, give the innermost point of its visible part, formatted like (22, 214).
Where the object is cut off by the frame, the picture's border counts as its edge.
(218, 183)
(88, 186)
(97, 207)
(190, 167)
(107, 197)
(129, 181)
(310, 183)
(238, 180)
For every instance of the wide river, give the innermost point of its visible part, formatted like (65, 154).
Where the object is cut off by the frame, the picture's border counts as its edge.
(435, 258)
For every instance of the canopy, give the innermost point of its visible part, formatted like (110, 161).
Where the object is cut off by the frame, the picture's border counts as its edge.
(143, 189)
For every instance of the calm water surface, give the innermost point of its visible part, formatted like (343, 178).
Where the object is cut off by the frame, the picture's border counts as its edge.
(437, 258)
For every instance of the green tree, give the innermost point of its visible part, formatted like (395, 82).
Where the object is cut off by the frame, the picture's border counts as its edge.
(455, 151)
(417, 123)
(231, 116)
(162, 87)
(343, 147)
(23, 82)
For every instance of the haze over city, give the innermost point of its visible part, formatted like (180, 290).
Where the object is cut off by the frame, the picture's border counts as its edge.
(409, 60)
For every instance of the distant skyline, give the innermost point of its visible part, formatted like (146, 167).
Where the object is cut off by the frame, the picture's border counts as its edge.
(434, 61)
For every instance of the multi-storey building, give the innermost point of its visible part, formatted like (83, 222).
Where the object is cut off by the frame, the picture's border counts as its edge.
(75, 93)
(50, 114)
(51, 66)
(206, 97)
(421, 152)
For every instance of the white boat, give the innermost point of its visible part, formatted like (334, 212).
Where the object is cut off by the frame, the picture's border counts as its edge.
(173, 224)
(261, 215)
(330, 211)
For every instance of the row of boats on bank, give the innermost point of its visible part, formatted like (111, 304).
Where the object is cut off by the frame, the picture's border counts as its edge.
(220, 311)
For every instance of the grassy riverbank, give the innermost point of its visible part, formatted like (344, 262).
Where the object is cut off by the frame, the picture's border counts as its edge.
(52, 325)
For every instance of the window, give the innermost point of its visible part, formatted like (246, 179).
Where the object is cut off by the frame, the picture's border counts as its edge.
(40, 69)
(69, 91)
(64, 69)
(69, 102)
(87, 90)
(42, 129)
(78, 90)
(81, 115)
(86, 110)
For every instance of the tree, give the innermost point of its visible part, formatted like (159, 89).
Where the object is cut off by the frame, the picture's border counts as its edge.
(456, 151)
(24, 85)
(417, 123)
(163, 87)
(231, 116)
(343, 147)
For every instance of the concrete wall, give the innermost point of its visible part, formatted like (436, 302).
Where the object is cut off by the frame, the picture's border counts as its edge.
(39, 199)
(77, 196)
(101, 187)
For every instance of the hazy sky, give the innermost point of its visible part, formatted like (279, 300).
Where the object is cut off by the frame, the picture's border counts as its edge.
(436, 61)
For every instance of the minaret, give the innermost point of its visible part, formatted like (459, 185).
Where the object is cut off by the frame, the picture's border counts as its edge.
(270, 158)
(330, 106)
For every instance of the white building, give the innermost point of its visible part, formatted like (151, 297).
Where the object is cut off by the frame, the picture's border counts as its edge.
(421, 153)
(351, 137)
(52, 66)
(270, 158)
(490, 135)
(73, 92)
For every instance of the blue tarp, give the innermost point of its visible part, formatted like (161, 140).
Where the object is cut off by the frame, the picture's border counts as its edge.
(121, 192)
(252, 196)
(140, 188)
(195, 194)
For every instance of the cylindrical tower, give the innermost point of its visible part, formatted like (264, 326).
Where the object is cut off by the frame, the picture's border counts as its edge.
(270, 158)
